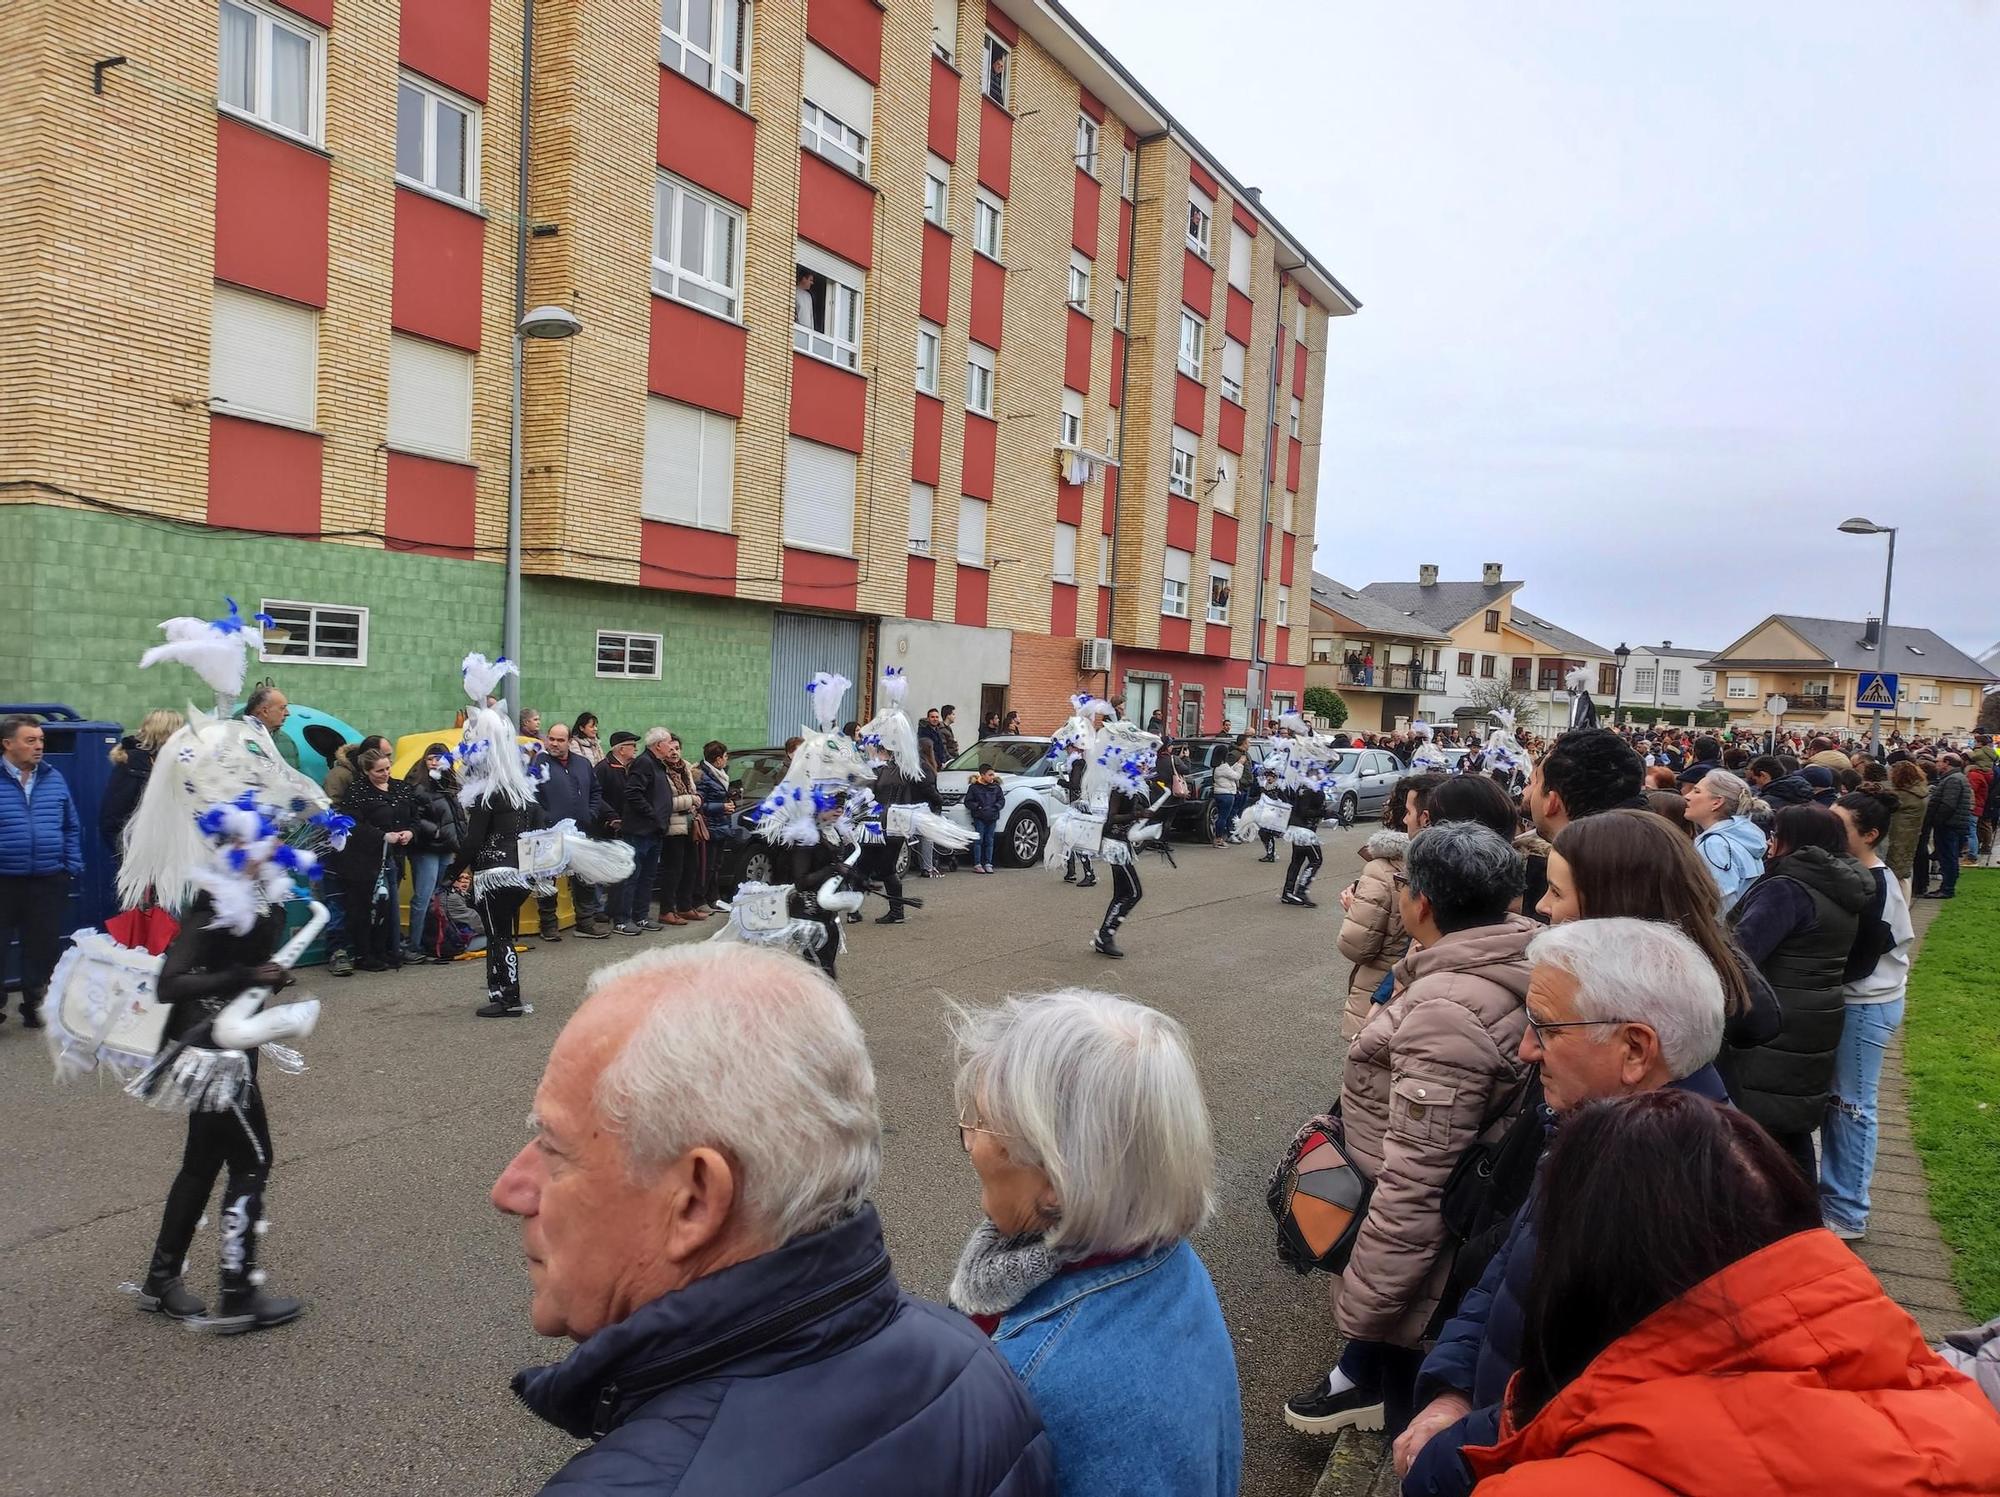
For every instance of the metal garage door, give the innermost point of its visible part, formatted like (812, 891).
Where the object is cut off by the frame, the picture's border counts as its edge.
(802, 645)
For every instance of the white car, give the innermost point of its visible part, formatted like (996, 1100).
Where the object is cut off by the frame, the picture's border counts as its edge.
(1031, 776)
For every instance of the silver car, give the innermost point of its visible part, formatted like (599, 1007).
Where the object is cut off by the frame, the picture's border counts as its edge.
(1362, 782)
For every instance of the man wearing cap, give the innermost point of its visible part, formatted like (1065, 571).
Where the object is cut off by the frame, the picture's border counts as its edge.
(619, 899)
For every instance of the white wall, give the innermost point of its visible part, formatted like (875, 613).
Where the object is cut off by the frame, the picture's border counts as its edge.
(946, 663)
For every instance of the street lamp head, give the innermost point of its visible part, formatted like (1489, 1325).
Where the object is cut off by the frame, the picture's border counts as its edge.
(1623, 652)
(1859, 526)
(550, 322)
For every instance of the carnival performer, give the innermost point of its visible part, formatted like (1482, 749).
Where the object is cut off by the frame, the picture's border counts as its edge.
(1303, 761)
(905, 796)
(1134, 802)
(1428, 757)
(1582, 710)
(1073, 741)
(1503, 757)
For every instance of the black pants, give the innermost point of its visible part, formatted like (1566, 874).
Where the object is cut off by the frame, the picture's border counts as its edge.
(878, 864)
(1388, 1372)
(1800, 1147)
(374, 938)
(828, 955)
(1304, 868)
(677, 871)
(32, 906)
(586, 902)
(1126, 892)
(1069, 867)
(216, 1139)
(499, 915)
(1270, 841)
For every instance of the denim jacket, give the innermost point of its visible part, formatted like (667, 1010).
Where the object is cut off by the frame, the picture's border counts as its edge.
(1132, 1368)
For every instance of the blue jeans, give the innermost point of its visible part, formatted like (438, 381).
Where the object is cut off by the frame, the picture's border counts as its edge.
(1847, 1136)
(1226, 805)
(982, 842)
(631, 903)
(1942, 853)
(424, 870)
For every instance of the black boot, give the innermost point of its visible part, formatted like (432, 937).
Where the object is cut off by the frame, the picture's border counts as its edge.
(503, 985)
(1104, 945)
(163, 1293)
(245, 1306)
(1089, 880)
(894, 917)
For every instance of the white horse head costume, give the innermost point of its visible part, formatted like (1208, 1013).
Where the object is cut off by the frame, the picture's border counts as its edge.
(1427, 757)
(491, 759)
(890, 729)
(1086, 714)
(825, 767)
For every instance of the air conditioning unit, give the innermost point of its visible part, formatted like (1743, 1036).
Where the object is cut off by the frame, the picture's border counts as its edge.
(1095, 656)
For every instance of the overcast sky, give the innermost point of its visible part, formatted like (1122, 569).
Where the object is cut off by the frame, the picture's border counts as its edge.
(1653, 295)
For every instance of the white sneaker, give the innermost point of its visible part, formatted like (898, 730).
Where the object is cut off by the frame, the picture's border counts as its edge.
(1847, 1234)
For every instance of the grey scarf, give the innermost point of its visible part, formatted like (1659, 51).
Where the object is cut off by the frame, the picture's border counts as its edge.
(996, 1273)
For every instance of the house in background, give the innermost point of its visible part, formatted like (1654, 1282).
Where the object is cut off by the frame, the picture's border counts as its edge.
(1380, 661)
(1671, 680)
(1493, 638)
(1814, 664)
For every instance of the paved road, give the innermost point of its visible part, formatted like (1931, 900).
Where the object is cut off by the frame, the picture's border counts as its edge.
(396, 1379)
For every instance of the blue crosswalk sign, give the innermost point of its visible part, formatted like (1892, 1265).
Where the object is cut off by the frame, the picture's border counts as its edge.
(1875, 691)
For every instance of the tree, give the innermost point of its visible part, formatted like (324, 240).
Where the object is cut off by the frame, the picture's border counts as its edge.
(1487, 695)
(1324, 701)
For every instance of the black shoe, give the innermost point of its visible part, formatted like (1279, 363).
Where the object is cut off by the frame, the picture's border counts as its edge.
(894, 917)
(1290, 898)
(34, 1023)
(1269, 857)
(31, 1017)
(551, 937)
(371, 966)
(1307, 900)
(170, 1297)
(498, 1010)
(1089, 881)
(1069, 876)
(251, 1310)
(1105, 946)
(592, 931)
(1317, 1412)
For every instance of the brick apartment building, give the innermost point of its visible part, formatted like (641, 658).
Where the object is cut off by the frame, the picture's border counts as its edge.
(978, 365)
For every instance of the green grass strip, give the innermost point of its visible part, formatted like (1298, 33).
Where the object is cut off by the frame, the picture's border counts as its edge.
(1951, 1052)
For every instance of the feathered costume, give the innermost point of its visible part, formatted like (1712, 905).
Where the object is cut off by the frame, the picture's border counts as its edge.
(1428, 758)
(1582, 710)
(1116, 755)
(891, 733)
(1503, 752)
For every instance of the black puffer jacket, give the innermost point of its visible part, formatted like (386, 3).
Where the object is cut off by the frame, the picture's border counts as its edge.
(122, 792)
(376, 814)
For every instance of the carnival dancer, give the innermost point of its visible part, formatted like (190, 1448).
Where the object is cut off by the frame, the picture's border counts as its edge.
(1582, 710)
(1074, 742)
(1503, 757)
(1308, 811)
(1119, 788)
(900, 790)
(1428, 757)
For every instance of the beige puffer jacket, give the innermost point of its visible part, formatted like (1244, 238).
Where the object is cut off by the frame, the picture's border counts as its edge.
(1372, 935)
(1422, 1080)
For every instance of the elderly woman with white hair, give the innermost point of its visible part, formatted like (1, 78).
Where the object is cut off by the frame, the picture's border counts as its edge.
(1084, 1119)
(1731, 845)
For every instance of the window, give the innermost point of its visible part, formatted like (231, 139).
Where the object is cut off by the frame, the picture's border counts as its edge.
(1295, 417)
(1201, 221)
(1465, 662)
(1486, 667)
(1193, 333)
(993, 76)
(1283, 614)
(944, 28)
(837, 113)
(979, 378)
(708, 43)
(1226, 466)
(826, 308)
(437, 141)
(930, 348)
(314, 633)
(1322, 649)
(430, 399)
(628, 657)
(1070, 432)
(272, 70)
(1219, 581)
(1492, 621)
(1708, 683)
(1112, 441)
(263, 358)
(1174, 585)
(1186, 456)
(1064, 569)
(1285, 510)
(1299, 322)
(819, 496)
(1282, 702)
(986, 212)
(1241, 247)
(937, 191)
(1104, 561)
(690, 465)
(972, 530)
(1742, 688)
(697, 248)
(1232, 370)
(1670, 682)
(1086, 144)
(923, 507)
(1645, 679)
(1079, 280)
(1961, 696)
(1607, 680)
(1928, 694)
(1118, 302)
(1127, 175)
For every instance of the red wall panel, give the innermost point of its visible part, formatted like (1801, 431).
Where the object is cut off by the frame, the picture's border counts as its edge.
(1229, 426)
(687, 560)
(440, 263)
(431, 506)
(1294, 451)
(1076, 352)
(1174, 634)
(1183, 522)
(263, 477)
(710, 143)
(828, 404)
(928, 441)
(1222, 538)
(980, 435)
(1115, 387)
(1110, 517)
(1285, 558)
(695, 358)
(1236, 317)
(852, 31)
(1062, 610)
(448, 40)
(1083, 214)
(943, 133)
(996, 146)
(1002, 25)
(1197, 284)
(836, 211)
(1189, 401)
(1090, 104)
(1243, 218)
(972, 588)
(989, 293)
(814, 579)
(920, 589)
(1104, 613)
(934, 298)
(1124, 234)
(270, 213)
(318, 11)
(1299, 370)
(1069, 504)
(1283, 647)
(1198, 175)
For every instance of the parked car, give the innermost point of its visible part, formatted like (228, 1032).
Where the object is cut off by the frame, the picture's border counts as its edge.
(1031, 774)
(1200, 756)
(1363, 780)
(755, 774)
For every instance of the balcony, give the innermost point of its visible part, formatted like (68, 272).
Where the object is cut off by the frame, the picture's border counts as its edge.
(1816, 701)
(1408, 677)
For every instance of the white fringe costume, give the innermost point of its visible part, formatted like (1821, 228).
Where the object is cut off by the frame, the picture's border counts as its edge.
(890, 731)
(1428, 757)
(1115, 754)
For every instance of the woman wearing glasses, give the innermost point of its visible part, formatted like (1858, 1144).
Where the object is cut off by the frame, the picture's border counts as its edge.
(1085, 1123)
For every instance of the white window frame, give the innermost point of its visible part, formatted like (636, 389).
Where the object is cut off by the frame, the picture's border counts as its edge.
(727, 82)
(1742, 689)
(1299, 321)
(930, 356)
(989, 224)
(1004, 74)
(976, 556)
(1201, 223)
(833, 139)
(313, 623)
(1320, 650)
(624, 639)
(1670, 681)
(846, 293)
(1283, 616)
(1218, 613)
(1088, 132)
(1174, 590)
(937, 192)
(1127, 175)
(430, 99)
(1118, 305)
(421, 358)
(1058, 571)
(923, 499)
(1645, 678)
(1286, 508)
(270, 19)
(1242, 256)
(670, 195)
(256, 406)
(1194, 335)
(1927, 694)
(1103, 560)
(1228, 474)
(979, 377)
(1961, 696)
(1112, 443)
(1186, 458)
(841, 545)
(1079, 281)
(1297, 411)
(1708, 683)
(1233, 355)
(1070, 429)
(715, 443)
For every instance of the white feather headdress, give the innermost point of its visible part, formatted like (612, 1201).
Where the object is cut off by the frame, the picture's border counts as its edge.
(826, 691)
(217, 650)
(491, 759)
(1578, 679)
(890, 729)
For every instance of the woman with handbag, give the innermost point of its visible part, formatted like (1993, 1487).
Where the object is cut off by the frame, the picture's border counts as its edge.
(1423, 1081)
(440, 828)
(385, 818)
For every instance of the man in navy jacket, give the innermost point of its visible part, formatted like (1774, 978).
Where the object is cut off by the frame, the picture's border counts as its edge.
(694, 1213)
(571, 792)
(41, 850)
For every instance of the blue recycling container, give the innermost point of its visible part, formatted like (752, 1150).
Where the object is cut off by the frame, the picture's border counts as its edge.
(79, 750)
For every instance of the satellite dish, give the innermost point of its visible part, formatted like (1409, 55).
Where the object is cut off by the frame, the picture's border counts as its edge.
(1776, 706)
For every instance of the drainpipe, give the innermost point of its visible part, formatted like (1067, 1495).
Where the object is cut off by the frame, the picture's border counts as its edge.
(1125, 383)
(1257, 662)
(510, 612)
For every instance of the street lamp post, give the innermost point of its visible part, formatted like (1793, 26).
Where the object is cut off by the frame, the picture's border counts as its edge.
(1859, 526)
(542, 323)
(1624, 653)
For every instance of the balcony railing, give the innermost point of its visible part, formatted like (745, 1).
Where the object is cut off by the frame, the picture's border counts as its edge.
(1391, 677)
(1816, 701)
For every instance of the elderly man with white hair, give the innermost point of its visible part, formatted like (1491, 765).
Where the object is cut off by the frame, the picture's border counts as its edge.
(1615, 1007)
(1085, 1123)
(694, 1211)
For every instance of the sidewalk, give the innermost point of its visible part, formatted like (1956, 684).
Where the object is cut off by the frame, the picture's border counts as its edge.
(1902, 1247)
